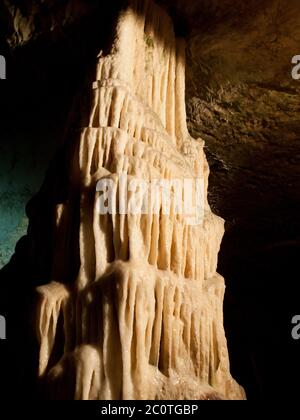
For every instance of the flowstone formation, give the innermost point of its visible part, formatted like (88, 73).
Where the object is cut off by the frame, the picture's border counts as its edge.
(143, 318)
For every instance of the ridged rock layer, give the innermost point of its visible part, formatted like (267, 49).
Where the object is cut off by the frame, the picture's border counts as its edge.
(144, 318)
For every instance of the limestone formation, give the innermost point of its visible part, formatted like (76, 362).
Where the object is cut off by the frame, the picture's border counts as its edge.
(143, 319)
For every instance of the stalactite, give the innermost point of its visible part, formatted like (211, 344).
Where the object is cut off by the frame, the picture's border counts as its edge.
(143, 319)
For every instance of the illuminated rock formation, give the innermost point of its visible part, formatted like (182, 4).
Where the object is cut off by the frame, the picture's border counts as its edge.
(143, 319)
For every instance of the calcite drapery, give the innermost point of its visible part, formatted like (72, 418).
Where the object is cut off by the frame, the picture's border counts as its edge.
(143, 319)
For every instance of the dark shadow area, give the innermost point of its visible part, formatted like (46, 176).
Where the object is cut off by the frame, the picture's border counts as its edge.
(259, 260)
(258, 316)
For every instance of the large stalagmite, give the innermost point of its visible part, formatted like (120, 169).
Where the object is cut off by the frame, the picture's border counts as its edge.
(143, 317)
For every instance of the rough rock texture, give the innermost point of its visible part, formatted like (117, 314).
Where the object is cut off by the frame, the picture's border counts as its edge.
(243, 101)
(143, 319)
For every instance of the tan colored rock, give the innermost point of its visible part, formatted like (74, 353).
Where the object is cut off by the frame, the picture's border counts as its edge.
(144, 318)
